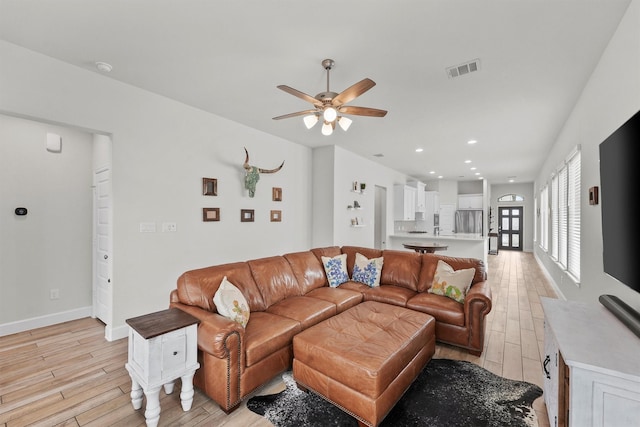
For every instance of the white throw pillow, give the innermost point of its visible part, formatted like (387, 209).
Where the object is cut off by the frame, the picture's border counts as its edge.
(367, 271)
(452, 283)
(336, 269)
(231, 304)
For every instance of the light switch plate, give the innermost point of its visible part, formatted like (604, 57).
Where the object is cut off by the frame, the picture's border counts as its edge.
(147, 227)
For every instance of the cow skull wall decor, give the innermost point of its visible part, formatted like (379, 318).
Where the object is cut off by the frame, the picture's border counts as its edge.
(252, 174)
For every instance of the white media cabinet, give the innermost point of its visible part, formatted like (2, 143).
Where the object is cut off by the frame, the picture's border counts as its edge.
(591, 366)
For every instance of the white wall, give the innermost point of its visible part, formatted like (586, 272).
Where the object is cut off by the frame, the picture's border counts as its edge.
(50, 247)
(611, 96)
(161, 151)
(340, 167)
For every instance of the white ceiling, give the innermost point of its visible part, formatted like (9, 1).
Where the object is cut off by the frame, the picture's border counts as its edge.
(227, 57)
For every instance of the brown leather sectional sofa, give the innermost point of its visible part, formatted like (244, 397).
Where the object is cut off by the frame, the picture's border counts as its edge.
(289, 293)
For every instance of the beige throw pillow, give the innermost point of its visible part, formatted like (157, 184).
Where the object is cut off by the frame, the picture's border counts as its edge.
(230, 303)
(452, 283)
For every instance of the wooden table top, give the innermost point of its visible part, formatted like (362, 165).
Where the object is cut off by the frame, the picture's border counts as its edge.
(425, 247)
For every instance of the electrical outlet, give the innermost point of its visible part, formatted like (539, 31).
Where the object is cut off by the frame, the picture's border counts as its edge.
(54, 294)
(169, 227)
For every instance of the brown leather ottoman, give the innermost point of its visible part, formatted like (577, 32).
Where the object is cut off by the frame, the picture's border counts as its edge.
(364, 359)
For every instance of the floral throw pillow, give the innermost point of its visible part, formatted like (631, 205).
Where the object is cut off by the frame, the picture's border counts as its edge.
(452, 283)
(367, 271)
(231, 304)
(336, 269)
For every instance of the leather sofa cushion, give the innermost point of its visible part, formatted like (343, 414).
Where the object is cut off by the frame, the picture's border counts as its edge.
(274, 278)
(341, 297)
(197, 287)
(401, 268)
(444, 309)
(308, 270)
(265, 334)
(329, 251)
(308, 311)
(389, 294)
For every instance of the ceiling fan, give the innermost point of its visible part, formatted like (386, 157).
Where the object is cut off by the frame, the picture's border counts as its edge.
(330, 106)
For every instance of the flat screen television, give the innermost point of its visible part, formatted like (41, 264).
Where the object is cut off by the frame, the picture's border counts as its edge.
(619, 191)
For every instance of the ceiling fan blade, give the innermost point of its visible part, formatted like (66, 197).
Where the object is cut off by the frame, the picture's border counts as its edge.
(353, 92)
(301, 95)
(362, 111)
(296, 114)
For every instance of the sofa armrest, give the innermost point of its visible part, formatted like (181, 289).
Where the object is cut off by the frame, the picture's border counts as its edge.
(477, 302)
(215, 332)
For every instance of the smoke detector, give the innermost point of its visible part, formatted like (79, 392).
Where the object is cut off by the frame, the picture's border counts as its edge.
(464, 68)
(104, 67)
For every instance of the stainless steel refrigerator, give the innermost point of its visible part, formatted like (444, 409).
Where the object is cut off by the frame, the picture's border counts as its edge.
(469, 221)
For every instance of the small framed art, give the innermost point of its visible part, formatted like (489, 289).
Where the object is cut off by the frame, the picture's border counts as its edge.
(247, 215)
(209, 187)
(276, 194)
(276, 216)
(210, 214)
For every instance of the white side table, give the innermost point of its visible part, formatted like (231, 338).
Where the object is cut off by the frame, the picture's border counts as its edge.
(163, 346)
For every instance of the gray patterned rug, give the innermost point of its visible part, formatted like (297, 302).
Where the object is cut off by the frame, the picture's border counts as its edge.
(446, 393)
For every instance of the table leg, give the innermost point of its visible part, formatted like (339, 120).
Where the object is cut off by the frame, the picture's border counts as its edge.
(168, 387)
(136, 394)
(152, 414)
(186, 395)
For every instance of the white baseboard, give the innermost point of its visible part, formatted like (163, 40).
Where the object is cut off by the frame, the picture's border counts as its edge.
(112, 334)
(553, 283)
(47, 320)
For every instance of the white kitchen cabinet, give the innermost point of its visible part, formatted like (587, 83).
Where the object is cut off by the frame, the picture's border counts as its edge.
(469, 201)
(591, 366)
(420, 196)
(447, 218)
(432, 206)
(404, 207)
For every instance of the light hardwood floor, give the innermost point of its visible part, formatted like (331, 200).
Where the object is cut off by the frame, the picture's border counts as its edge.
(69, 375)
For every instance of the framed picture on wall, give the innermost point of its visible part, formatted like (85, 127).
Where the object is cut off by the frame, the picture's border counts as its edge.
(247, 215)
(276, 216)
(210, 214)
(209, 187)
(277, 194)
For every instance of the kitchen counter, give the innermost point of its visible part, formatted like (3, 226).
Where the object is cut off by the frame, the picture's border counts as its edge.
(430, 236)
(459, 245)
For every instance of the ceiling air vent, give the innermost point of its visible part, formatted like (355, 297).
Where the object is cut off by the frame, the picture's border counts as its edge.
(462, 69)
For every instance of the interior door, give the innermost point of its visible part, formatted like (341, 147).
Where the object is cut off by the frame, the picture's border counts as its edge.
(510, 220)
(380, 218)
(102, 289)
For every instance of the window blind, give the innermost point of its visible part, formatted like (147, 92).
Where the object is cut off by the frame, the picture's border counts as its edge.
(573, 231)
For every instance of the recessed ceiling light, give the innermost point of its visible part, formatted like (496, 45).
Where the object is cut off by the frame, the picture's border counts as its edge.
(471, 141)
(477, 173)
(467, 161)
(511, 180)
(432, 172)
(104, 67)
(480, 177)
(440, 177)
(419, 150)
(473, 168)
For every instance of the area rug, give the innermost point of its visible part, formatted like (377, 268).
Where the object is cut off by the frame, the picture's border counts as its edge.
(446, 393)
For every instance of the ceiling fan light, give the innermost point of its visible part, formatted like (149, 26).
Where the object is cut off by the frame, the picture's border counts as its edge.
(330, 114)
(344, 122)
(310, 120)
(327, 129)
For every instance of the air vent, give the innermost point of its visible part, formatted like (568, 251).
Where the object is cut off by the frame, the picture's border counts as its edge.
(462, 69)
(378, 155)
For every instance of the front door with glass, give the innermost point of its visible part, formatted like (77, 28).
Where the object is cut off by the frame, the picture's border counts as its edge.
(510, 220)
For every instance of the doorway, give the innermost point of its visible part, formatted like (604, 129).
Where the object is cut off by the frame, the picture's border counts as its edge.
(510, 220)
